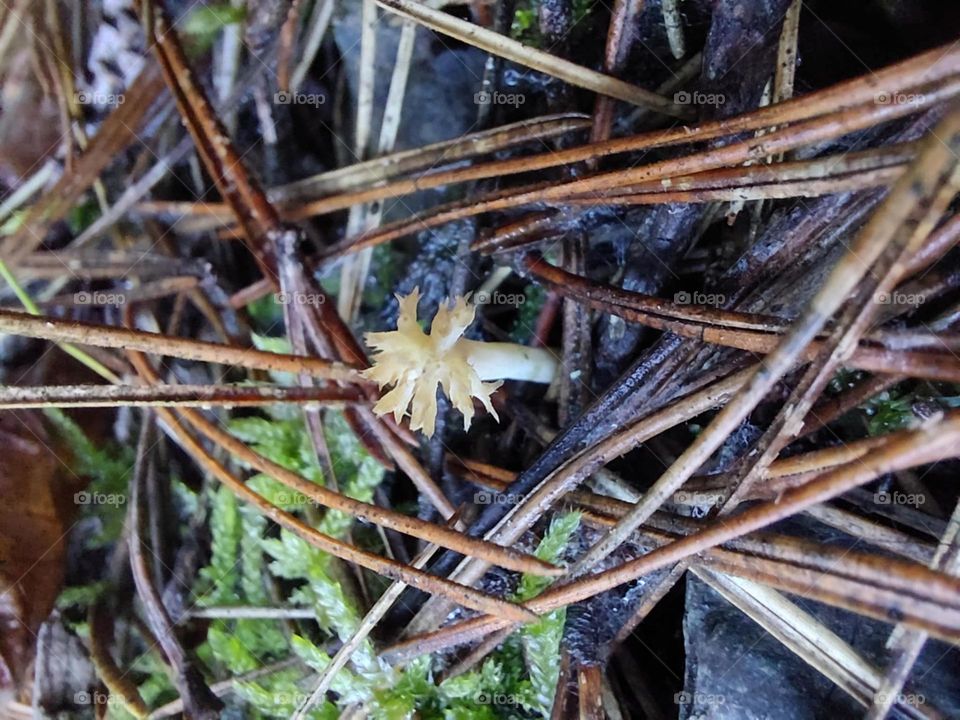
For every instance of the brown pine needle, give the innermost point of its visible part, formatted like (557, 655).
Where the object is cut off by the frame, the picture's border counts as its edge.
(504, 47)
(13, 398)
(165, 345)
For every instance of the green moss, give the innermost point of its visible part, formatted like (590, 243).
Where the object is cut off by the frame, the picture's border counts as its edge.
(526, 21)
(889, 411)
(109, 470)
(541, 640)
(524, 27)
(82, 216)
(528, 313)
(204, 23)
(515, 682)
(265, 312)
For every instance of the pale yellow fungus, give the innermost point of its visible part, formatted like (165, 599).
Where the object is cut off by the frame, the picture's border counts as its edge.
(415, 363)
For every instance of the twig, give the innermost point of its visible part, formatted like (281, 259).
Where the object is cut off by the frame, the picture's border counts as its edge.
(287, 44)
(76, 353)
(257, 613)
(199, 701)
(818, 129)
(755, 334)
(26, 190)
(353, 271)
(935, 441)
(120, 686)
(214, 147)
(383, 566)
(814, 643)
(674, 27)
(316, 29)
(908, 76)
(539, 499)
(623, 16)
(425, 160)
(787, 54)
(590, 699)
(184, 348)
(12, 397)
(116, 132)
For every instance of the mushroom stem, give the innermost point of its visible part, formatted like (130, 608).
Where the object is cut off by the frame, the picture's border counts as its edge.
(508, 361)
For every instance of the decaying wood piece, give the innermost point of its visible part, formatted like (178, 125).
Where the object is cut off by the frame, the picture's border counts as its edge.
(919, 198)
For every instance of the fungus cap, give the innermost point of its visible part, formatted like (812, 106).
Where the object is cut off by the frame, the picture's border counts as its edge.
(415, 363)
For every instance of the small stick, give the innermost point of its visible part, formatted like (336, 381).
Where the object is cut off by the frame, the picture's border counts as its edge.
(800, 632)
(114, 337)
(819, 129)
(317, 25)
(15, 398)
(384, 566)
(590, 698)
(935, 441)
(255, 613)
(624, 14)
(523, 515)
(908, 643)
(199, 701)
(121, 687)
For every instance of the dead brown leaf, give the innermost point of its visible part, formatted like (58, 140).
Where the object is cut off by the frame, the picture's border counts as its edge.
(34, 518)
